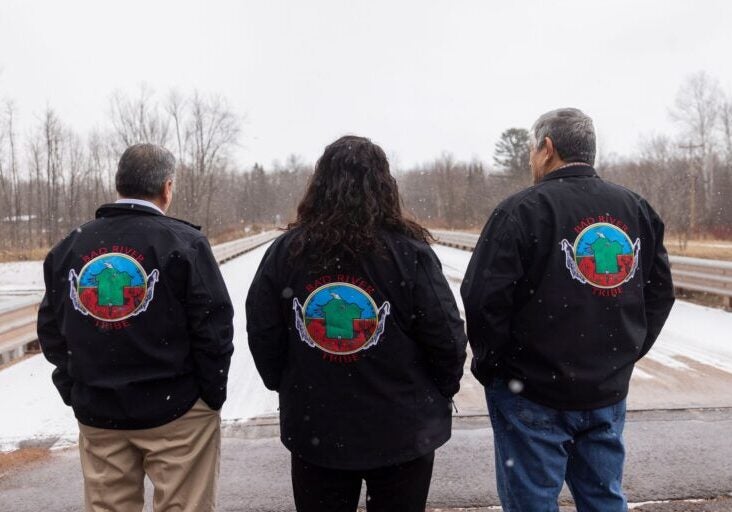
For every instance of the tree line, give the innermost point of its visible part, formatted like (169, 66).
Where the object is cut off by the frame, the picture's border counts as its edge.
(687, 176)
(53, 179)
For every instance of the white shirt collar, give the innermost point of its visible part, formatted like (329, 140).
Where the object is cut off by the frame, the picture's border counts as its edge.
(140, 202)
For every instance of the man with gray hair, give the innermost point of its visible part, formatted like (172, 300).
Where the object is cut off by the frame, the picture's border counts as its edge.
(568, 287)
(138, 323)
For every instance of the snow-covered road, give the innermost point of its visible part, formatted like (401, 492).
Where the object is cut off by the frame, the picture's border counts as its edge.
(247, 396)
(690, 366)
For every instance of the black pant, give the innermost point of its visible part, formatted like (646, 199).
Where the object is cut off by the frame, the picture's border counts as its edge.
(401, 488)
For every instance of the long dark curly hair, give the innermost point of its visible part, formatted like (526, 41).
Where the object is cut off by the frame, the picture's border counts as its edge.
(350, 199)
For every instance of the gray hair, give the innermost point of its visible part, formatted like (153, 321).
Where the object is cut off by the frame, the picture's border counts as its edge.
(143, 170)
(570, 130)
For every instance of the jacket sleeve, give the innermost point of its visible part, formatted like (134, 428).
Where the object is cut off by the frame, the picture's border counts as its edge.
(488, 292)
(50, 338)
(210, 324)
(266, 325)
(437, 326)
(658, 291)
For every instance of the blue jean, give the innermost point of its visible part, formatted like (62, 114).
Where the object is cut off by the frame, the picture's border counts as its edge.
(537, 448)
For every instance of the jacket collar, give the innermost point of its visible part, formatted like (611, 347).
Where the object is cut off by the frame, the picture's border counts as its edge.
(139, 202)
(119, 209)
(570, 171)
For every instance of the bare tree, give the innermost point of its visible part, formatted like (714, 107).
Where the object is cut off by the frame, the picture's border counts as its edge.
(10, 180)
(210, 129)
(75, 177)
(100, 171)
(53, 139)
(138, 119)
(446, 170)
(725, 117)
(174, 107)
(17, 207)
(722, 207)
(697, 110)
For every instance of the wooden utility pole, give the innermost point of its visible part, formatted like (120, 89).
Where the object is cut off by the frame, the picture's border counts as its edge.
(693, 178)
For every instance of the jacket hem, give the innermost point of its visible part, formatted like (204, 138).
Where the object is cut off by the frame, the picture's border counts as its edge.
(363, 464)
(572, 405)
(123, 424)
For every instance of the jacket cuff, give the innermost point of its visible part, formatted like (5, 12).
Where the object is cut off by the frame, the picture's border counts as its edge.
(66, 396)
(63, 384)
(214, 400)
(448, 389)
(484, 377)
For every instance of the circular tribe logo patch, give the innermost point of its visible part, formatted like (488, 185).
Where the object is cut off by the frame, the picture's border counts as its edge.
(340, 318)
(112, 287)
(602, 255)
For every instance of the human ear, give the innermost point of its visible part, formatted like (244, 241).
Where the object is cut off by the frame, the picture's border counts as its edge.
(548, 148)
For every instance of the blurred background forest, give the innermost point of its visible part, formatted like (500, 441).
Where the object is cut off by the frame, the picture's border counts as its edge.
(52, 178)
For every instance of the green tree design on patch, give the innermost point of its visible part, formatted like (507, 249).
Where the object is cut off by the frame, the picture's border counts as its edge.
(339, 317)
(111, 285)
(606, 255)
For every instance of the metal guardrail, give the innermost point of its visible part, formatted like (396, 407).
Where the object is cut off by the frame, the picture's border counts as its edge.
(229, 250)
(18, 329)
(456, 239)
(701, 275)
(18, 321)
(692, 274)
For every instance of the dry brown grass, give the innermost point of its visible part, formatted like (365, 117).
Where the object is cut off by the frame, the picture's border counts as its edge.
(710, 249)
(701, 298)
(10, 255)
(13, 255)
(694, 249)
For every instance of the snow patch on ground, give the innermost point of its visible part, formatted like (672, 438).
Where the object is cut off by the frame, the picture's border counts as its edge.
(19, 281)
(696, 332)
(21, 275)
(33, 411)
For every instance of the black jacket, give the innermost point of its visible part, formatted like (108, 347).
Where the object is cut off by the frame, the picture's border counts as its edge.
(136, 318)
(568, 287)
(365, 355)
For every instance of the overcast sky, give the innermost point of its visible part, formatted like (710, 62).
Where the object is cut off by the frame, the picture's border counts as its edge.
(419, 77)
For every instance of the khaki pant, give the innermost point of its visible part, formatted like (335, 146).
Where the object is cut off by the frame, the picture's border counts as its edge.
(181, 458)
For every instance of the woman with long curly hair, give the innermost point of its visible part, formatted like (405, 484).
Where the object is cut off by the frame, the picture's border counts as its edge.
(351, 320)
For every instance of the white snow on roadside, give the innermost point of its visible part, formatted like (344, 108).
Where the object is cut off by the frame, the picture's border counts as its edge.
(454, 265)
(19, 281)
(716, 245)
(698, 333)
(33, 411)
(21, 275)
